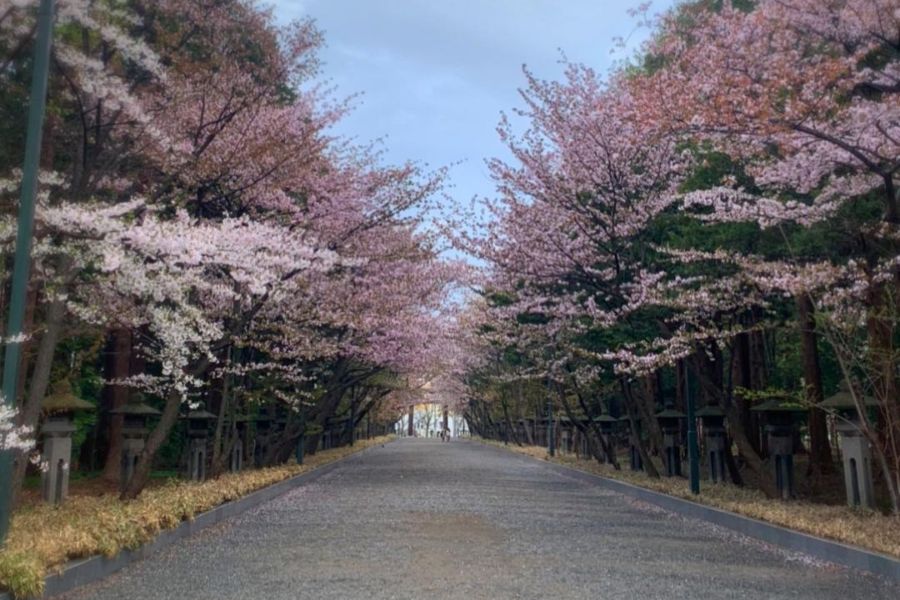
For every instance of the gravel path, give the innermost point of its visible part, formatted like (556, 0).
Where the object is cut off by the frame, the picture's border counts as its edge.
(421, 519)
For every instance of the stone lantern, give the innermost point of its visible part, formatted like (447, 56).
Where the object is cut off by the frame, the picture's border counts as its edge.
(670, 422)
(634, 454)
(855, 452)
(607, 426)
(198, 436)
(135, 428)
(59, 410)
(713, 419)
(780, 415)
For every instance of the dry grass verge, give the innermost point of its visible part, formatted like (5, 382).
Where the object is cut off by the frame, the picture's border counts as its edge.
(43, 537)
(859, 527)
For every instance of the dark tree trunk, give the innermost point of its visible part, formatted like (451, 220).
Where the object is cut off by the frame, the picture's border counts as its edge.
(753, 460)
(529, 435)
(155, 440)
(223, 435)
(356, 396)
(118, 366)
(326, 409)
(634, 412)
(880, 330)
(40, 380)
(759, 372)
(473, 426)
(735, 412)
(644, 400)
(480, 418)
(741, 417)
(679, 385)
(710, 374)
(509, 424)
(607, 446)
(820, 461)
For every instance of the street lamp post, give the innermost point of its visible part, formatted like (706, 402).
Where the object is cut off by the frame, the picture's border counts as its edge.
(22, 261)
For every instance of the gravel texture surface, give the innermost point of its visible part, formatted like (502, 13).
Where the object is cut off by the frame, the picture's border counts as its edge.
(422, 519)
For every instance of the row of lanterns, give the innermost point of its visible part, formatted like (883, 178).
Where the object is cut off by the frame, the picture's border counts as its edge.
(780, 416)
(60, 407)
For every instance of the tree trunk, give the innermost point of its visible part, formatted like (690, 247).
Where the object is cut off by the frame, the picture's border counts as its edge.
(634, 413)
(710, 373)
(326, 410)
(155, 441)
(742, 376)
(40, 380)
(509, 424)
(118, 366)
(883, 360)
(748, 452)
(644, 400)
(680, 403)
(31, 298)
(223, 440)
(820, 461)
(607, 446)
(355, 399)
(472, 425)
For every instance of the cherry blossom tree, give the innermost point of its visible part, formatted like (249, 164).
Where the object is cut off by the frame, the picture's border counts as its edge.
(208, 215)
(800, 97)
(12, 437)
(568, 243)
(805, 95)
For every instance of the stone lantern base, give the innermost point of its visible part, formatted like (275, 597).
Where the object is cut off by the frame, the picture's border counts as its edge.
(857, 461)
(781, 448)
(715, 453)
(56, 455)
(672, 454)
(131, 450)
(197, 459)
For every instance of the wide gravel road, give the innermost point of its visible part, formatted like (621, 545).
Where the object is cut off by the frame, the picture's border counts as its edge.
(424, 520)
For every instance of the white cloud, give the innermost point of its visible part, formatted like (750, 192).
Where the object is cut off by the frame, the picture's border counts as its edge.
(436, 74)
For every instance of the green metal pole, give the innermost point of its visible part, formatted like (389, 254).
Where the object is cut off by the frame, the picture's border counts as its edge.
(693, 447)
(22, 262)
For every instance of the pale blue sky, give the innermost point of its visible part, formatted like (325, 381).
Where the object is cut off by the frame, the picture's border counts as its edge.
(436, 75)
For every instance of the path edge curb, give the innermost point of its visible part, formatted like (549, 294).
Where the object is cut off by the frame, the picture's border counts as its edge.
(820, 548)
(82, 571)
